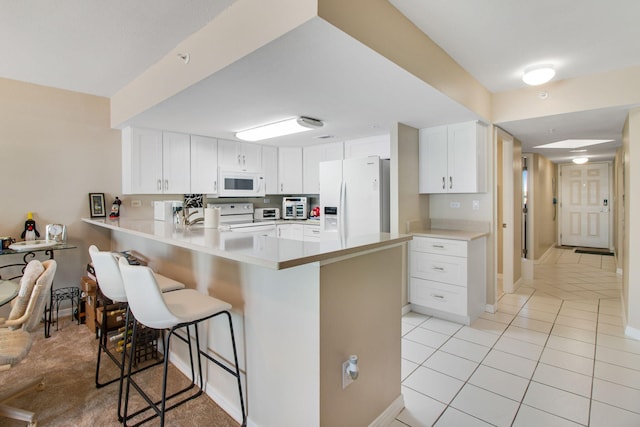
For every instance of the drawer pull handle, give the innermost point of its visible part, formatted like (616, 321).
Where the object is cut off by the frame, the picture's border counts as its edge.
(437, 246)
(437, 296)
(438, 268)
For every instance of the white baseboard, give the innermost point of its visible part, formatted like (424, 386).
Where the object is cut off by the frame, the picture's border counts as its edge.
(491, 308)
(406, 309)
(629, 331)
(546, 254)
(632, 332)
(388, 415)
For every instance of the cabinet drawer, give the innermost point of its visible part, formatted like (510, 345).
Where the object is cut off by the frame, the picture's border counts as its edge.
(439, 268)
(452, 299)
(439, 246)
(312, 231)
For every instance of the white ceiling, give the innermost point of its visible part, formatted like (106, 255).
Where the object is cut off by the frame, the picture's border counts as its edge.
(94, 46)
(97, 47)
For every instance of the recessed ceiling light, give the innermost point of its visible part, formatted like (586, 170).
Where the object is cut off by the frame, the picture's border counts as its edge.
(573, 143)
(538, 75)
(580, 160)
(578, 151)
(281, 128)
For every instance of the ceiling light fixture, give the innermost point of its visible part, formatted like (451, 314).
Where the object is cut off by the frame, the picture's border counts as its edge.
(580, 160)
(281, 128)
(538, 75)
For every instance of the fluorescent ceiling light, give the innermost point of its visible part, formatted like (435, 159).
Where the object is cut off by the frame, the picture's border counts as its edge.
(580, 160)
(538, 75)
(281, 128)
(573, 143)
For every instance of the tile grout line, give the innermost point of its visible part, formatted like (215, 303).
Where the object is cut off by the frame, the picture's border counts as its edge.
(593, 370)
(480, 364)
(538, 364)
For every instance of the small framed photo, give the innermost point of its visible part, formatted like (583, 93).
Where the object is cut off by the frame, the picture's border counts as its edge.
(96, 205)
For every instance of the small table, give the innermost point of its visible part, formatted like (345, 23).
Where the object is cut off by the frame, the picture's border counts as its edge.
(8, 291)
(28, 255)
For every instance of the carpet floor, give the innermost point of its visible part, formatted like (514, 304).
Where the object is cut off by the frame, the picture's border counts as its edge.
(67, 360)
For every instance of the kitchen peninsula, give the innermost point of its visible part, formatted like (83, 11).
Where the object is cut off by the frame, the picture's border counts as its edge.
(299, 310)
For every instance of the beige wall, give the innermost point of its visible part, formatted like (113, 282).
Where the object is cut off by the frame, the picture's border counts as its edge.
(618, 213)
(347, 327)
(631, 269)
(406, 203)
(57, 146)
(544, 175)
(605, 90)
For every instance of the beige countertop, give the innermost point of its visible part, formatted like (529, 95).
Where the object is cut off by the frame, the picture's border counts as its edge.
(252, 248)
(450, 234)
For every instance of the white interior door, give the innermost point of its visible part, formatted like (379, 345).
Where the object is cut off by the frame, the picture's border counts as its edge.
(507, 215)
(585, 205)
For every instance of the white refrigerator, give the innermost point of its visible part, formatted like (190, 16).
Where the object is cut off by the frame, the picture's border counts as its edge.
(354, 197)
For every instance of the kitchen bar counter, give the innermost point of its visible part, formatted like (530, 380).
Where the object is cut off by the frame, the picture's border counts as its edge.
(265, 251)
(300, 309)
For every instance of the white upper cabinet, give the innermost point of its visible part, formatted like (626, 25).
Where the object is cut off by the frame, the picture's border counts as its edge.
(433, 160)
(243, 156)
(176, 163)
(204, 165)
(155, 162)
(453, 158)
(270, 168)
(379, 145)
(311, 158)
(289, 170)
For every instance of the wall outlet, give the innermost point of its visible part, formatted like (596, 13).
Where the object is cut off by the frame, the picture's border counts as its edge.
(476, 205)
(346, 378)
(136, 203)
(454, 205)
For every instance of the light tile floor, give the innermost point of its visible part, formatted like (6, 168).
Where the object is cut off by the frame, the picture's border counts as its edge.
(554, 354)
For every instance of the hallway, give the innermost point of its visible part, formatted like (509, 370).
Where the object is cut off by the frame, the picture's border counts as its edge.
(554, 354)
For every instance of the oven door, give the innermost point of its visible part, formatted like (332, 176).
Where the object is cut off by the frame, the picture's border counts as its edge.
(241, 184)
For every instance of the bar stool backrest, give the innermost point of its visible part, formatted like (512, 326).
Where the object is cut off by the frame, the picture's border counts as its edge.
(108, 274)
(40, 296)
(145, 298)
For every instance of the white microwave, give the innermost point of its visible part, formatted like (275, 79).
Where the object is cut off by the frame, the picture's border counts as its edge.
(241, 184)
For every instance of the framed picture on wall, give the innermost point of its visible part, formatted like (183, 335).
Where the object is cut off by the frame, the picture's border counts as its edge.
(96, 205)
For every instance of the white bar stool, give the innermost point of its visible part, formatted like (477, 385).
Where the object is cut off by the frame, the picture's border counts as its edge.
(111, 285)
(172, 311)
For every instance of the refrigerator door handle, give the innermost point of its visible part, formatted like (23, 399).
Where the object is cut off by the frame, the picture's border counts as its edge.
(341, 214)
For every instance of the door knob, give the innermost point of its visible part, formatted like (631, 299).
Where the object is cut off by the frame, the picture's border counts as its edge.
(504, 225)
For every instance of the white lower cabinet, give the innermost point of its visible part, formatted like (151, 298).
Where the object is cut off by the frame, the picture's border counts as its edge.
(311, 232)
(448, 277)
(290, 231)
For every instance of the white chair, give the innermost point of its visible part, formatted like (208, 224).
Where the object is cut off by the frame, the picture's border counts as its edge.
(172, 311)
(111, 285)
(16, 343)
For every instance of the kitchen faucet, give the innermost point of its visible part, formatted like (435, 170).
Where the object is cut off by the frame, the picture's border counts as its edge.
(186, 215)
